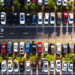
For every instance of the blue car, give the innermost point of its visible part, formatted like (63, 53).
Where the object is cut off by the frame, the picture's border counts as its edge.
(9, 47)
(34, 19)
(27, 47)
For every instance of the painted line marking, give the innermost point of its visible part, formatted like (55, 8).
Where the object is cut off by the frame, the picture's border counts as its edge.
(1, 33)
(25, 33)
(1, 36)
(11, 33)
(40, 32)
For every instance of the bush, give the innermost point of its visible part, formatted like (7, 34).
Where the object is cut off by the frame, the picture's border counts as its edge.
(37, 9)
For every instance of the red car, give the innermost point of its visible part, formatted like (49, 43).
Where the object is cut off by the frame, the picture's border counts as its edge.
(3, 48)
(39, 47)
(65, 17)
(34, 1)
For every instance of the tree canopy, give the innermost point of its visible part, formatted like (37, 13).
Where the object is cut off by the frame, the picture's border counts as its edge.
(1, 58)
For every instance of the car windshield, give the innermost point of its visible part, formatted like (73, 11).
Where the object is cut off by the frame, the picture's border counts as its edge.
(40, 20)
(58, 19)
(3, 46)
(59, 1)
(34, 46)
(52, 18)
(21, 48)
(46, 19)
(58, 67)
(45, 66)
(71, 19)
(2, 19)
(39, 45)
(28, 67)
(65, 19)
(52, 68)
(15, 66)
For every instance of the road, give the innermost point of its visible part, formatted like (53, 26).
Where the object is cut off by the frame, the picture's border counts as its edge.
(46, 32)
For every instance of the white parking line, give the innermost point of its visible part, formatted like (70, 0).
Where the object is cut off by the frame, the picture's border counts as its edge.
(40, 32)
(1, 36)
(11, 33)
(1, 33)
(25, 33)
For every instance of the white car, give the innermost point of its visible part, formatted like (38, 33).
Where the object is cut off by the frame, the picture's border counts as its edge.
(22, 18)
(3, 2)
(63, 2)
(45, 48)
(52, 18)
(46, 19)
(58, 2)
(28, 2)
(58, 65)
(21, 47)
(58, 48)
(70, 18)
(16, 66)
(3, 18)
(10, 66)
(40, 2)
(70, 66)
(51, 65)
(4, 65)
(28, 66)
(64, 66)
(15, 47)
(45, 66)
(40, 18)
(45, 2)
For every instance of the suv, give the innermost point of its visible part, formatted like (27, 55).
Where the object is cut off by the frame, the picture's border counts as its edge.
(34, 20)
(27, 47)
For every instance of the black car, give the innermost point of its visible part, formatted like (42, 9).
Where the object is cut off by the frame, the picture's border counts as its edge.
(15, 18)
(33, 48)
(8, 2)
(22, 2)
(9, 18)
(34, 66)
(22, 67)
(28, 19)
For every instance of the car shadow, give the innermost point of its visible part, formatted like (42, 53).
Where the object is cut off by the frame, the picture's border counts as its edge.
(58, 31)
(69, 28)
(64, 28)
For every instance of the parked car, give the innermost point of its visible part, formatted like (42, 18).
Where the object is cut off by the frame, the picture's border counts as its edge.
(10, 66)
(64, 48)
(39, 47)
(8, 2)
(34, 66)
(51, 65)
(59, 18)
(33, 48)
(40, 65)
(45, 48)
(58, 65)
(22, 18)
(64, 2)
(58, 2)
(22, 2)
(45, 66)
(71, 47)
(4, 65)
(9, 18)
(21, 47)
(16, 66)
(28, 19)
(52, 18)
(34, 1)
(46, 19)
(70, 18)
(15, 18)
(28, 66)
(70, 66)
(3, 48)
(65, 17)
(28, 2)
(58, 48)
(40, 2)
(40, 18)
(45, 2)
(52, 48)
(15, 47)
(34, 20)
(3, 2)
(21, 67)
(64, 66)
(3, 18)
(9, 47)
(27, 47)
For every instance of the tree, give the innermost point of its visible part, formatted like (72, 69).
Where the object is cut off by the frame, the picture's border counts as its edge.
(1, 6)
(32, 6)
(69, 57)
(27, 5)
(50, 57)
(51, 4)
(32, 58)
(1, 58)
(17, 4)
(22, 58)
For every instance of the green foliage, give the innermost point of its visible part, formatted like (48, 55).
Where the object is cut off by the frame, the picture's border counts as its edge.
(37, 9)
(27, 5)
(22, 58)
(51, 4)
(8, 57)
(1, 58)
(46, 7)
(17, 4)
(1, 6)
(32, 58)
(50, 57)
(32, 6)
(69, 57)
